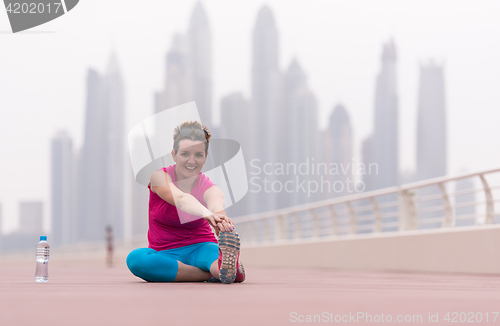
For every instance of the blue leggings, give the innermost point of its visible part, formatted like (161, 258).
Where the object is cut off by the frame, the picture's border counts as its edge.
(162, 266)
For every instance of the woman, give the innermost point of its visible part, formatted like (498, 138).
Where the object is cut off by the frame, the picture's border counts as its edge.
(183, 206)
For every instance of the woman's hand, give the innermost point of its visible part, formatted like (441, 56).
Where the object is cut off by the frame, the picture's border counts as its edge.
(220, 222)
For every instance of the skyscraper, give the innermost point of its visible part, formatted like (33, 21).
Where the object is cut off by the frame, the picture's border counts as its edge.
(299, 141)
(188, 74)
(234, 114)
(92, 166)
(101, 193)
(139, 199)
(370, 173)
(431, 134)
(340, 133)
(267, 118)
(295, 79)
(114, 104)
(178, 87)
(62, 189)
(431, 124)
(31, 217)
(386, 131)
(200, 58)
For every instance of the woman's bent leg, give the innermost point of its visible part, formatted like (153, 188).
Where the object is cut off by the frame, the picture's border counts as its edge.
(151, 266)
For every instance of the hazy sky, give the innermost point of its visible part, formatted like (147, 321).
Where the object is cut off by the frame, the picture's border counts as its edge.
(338, 44)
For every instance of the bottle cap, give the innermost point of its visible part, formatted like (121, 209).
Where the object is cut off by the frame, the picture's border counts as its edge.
(43, 238)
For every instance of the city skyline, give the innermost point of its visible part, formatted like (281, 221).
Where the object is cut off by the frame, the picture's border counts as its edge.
(309, 65)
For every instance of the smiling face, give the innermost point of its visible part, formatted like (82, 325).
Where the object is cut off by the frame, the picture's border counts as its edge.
(189, 159)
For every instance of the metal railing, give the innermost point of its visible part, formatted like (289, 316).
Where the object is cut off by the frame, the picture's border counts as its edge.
(432, 203)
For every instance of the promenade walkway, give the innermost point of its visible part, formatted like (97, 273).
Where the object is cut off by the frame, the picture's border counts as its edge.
(90, 294)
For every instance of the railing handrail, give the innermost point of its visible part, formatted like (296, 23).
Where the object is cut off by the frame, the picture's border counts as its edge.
(361, 196)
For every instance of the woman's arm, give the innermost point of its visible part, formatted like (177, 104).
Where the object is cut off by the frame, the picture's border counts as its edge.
(215, 202)
(162, 185)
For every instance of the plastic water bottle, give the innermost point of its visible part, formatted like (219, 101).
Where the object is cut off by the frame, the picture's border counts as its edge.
(42, 260)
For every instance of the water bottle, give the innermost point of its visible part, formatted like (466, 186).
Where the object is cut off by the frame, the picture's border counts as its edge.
(42, 260)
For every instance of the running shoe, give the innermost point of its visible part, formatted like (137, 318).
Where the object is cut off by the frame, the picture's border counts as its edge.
(240, 273)
(229, 247)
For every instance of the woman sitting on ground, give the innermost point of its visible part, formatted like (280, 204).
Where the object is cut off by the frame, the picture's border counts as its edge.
(183, 206)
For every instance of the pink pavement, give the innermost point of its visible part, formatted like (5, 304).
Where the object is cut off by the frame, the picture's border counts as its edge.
(89, 293)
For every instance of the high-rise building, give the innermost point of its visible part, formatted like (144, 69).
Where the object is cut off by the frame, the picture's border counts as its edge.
(431, 136)
(31, 217)
(234, 116)
(370, 171)
(340, 133)
(139, 199)
(200, 55)
(101, 169)
(114, 98)
(178, 87)
(62, 188)
(431, 124)
(268, 118)
(301, 117)
(268, 115)
(302, 143)
(386, 133)
(92, 166)
(300, 136)
(294, 79)
(188, 74)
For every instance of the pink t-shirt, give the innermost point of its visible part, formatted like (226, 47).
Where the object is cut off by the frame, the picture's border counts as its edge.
(165, 228)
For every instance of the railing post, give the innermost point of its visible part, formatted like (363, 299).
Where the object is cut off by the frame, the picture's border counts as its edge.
(255, 236)
(267, 233)
(298, 230)
(407, 211)
(448, 212)
(334, 219)
(378, 216)
(490, 207)
(242, 230)
(353, 217)
(280, 231)
(314, 218)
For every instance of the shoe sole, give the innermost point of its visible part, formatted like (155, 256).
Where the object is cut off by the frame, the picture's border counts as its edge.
(229, 245)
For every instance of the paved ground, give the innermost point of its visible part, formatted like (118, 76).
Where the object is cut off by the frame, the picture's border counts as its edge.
(91, 294)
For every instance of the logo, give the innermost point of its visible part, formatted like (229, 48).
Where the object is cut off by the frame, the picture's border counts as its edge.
(25, 15)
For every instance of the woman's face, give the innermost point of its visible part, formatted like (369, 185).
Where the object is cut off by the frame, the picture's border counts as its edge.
(189, 158)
